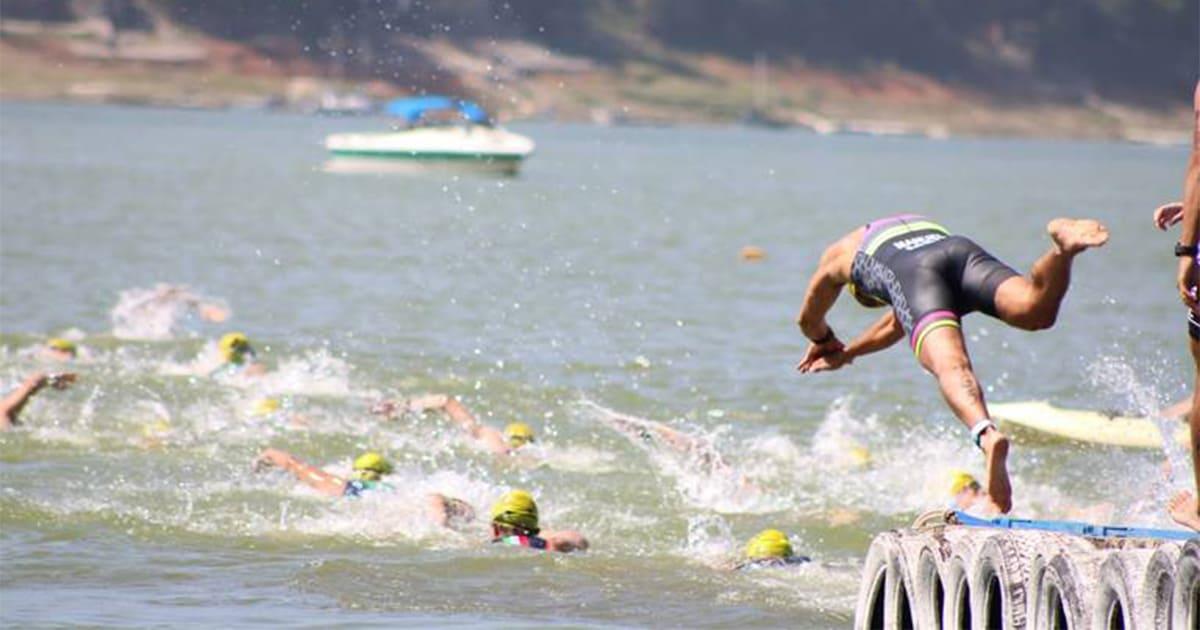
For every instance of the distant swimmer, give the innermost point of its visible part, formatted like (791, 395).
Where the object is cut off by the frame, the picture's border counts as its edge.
(237, 356)
(1184, 507)
(770, 548)
(59, 349)
(967, 495)
(369, 470)
(515, 522)
(155, 313)
(697, 451)
(931, 279)
(12, 404)
(507, 442)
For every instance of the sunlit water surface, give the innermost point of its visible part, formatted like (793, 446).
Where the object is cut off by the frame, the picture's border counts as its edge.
(605, 279)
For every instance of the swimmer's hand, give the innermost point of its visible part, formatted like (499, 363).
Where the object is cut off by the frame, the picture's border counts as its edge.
(270, 458)
(1167, 215)
(817, 351)
(384, 408)
(827, 363)
(424, 403)
(61, 380)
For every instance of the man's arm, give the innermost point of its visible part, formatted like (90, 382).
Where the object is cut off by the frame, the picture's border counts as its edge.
(1191, 209)
(460, 415)
(825, 286)
(314, 477)
(14, 402)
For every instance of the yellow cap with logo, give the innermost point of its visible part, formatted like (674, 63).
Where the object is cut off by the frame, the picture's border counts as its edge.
(234, 346)
(371, 466)
(516, 509)
(518, 434)
(769, 543)
(961, 480)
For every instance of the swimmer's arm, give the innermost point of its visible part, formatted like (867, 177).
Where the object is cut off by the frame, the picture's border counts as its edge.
(14, 402)
(1191, 211)
(884, 333)
(824, 287)
(489, 437)
(314, 477)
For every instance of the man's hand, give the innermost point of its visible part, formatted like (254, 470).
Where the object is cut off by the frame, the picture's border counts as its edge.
(62, 380)
(827, 363)
(1168, 214)
(269, 458)
(817, 351)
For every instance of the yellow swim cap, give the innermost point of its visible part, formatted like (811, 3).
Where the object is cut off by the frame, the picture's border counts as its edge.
(234, 347)
(769, 543)
(62, 345)
(860, 455)
(371, 466)
(265, 406)
(519, 434)
(961, 480)
(516, 509)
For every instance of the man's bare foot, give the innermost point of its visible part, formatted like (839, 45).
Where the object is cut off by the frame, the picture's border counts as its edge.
(995, 448)
(1072, 236)
(1184, 510)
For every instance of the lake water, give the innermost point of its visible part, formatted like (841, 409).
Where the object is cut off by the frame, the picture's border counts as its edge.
(606, 278)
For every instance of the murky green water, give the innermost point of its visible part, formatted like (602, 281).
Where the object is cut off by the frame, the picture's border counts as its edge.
(607, 274)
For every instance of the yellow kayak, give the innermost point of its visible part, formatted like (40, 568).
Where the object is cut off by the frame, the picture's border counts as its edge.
(1093, 427)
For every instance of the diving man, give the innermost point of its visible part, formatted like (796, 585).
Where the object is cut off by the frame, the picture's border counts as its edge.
(931, 278)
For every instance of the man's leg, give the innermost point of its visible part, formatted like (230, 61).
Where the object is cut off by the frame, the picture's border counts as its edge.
(1183, 506)
(1032, 303)
(944, 354)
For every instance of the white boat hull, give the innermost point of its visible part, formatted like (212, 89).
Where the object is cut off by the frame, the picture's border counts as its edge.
(475, 147)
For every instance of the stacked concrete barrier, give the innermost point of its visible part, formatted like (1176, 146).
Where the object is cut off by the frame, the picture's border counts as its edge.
(942, 574)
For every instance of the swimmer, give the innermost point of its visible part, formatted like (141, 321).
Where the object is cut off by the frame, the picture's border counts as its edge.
(647, 432)
(507, 442)
(1183, 507)
(153, 313)
(60, 350)
(276, 411)
(770, 548)
(237, 356)
(931, 279)
(369, 470)
(12, 404)
(967, 495)
(515, 522)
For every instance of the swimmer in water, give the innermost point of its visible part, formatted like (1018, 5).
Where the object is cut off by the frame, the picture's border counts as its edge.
(237, 356)
(967, 495)
(153, 313)
(369, 471)
(698, 454)
(930, 279)
(507, 442)
(770, 548)
(515, 522)
(12, 404)
(59, 349)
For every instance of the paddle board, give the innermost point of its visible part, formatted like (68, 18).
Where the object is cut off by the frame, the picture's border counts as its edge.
(1093, 427)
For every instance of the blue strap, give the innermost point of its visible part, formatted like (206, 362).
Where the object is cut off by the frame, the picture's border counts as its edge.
(1074, 527)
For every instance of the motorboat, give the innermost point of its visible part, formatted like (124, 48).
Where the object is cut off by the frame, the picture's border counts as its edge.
(435, 131)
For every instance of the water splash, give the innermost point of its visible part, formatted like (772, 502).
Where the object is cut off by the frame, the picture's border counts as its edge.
(160, 312)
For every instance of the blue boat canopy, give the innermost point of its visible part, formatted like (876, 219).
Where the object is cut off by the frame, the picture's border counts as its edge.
(413, 109)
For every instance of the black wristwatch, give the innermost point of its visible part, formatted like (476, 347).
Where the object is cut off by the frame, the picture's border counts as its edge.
(1185, 250)
(829, 336)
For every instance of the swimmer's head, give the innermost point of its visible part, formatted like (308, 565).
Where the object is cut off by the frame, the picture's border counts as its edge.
(518, 434)
(860, 455)
(62, 348)
(769, 544)
(265, 406)
(371, 466)
(964, 488)
(235, 346)
(516, 510)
